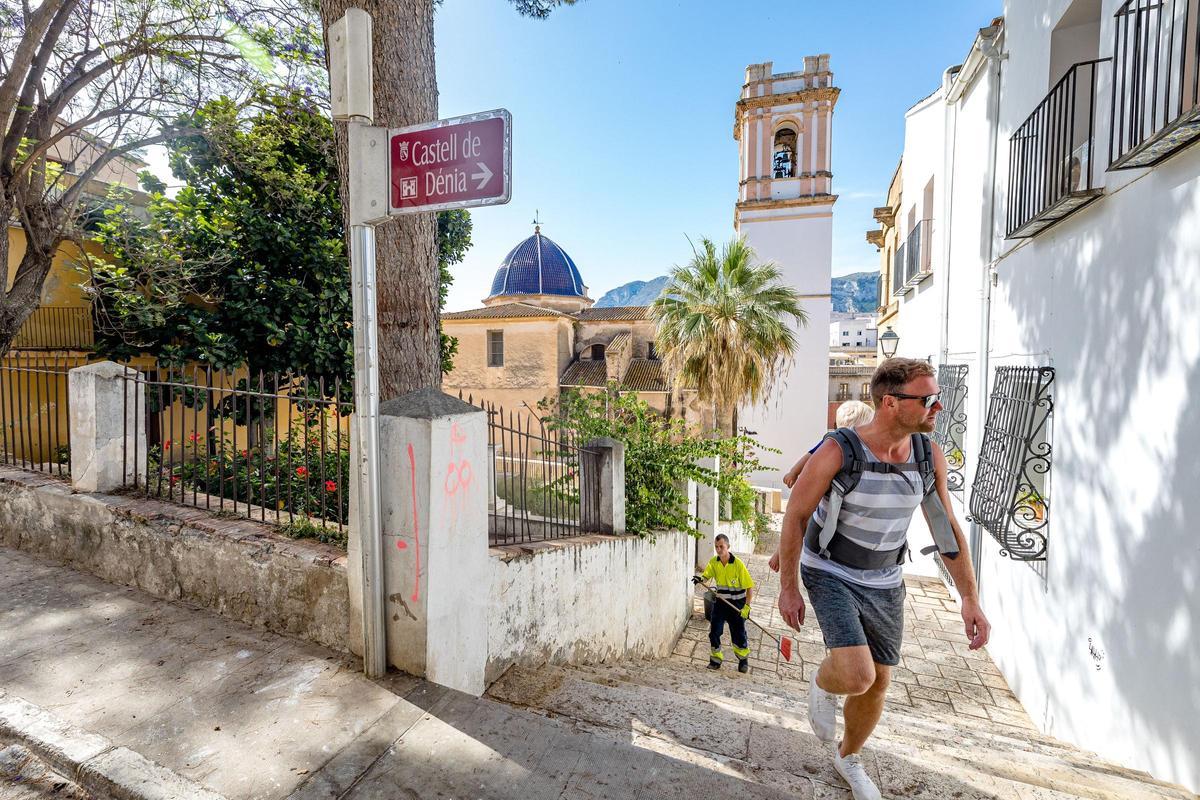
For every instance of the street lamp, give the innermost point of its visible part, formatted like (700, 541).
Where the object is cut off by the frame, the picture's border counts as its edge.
(888, 342)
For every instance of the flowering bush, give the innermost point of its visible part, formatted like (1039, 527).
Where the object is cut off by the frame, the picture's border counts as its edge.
(301, 474)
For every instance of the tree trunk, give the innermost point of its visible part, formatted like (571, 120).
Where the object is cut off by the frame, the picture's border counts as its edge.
(19, 300)
(406, 247)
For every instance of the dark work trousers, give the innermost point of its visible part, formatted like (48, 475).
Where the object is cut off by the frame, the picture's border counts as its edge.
(721, 614)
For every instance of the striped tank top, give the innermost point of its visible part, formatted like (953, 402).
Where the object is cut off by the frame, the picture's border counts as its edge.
(875, 515)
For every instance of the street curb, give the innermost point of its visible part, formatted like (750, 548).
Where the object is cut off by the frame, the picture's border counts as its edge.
(92, 761)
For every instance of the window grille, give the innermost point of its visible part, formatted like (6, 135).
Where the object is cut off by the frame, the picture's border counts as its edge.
(495, 341)
(951, 430)
(1009, 496)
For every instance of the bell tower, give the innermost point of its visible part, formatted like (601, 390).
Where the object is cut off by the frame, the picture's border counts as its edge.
(783, 124)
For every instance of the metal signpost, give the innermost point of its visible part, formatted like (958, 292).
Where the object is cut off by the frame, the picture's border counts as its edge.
(452, 163)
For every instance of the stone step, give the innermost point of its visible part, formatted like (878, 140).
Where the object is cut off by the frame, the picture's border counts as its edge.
(921, 757)
(767, 693)
(771, 694)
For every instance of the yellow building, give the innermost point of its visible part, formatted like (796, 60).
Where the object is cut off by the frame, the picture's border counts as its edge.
(887, 240)
(537, 334)
(63, 319)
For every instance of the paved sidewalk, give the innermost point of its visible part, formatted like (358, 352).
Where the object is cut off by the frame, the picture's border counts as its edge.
(251, 714)
(937, 671)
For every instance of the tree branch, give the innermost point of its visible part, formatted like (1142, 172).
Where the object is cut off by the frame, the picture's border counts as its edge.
(25, 105)
(34, 30)
(71, 195)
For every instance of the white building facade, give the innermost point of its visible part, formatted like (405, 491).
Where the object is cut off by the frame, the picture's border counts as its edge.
(855, 333)
(784, 129)
(1061, 306)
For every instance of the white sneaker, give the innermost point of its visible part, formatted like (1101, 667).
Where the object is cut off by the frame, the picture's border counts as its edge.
(822, 711)
(853, 773)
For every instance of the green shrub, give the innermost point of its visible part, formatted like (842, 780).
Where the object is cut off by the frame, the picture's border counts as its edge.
(660, 457)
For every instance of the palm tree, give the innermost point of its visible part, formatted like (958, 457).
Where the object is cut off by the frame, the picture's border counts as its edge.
(723, 326)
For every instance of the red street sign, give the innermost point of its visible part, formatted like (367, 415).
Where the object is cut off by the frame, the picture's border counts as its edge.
(451, 163)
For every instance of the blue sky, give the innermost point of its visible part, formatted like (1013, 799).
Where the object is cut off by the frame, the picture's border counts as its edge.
(623, 116)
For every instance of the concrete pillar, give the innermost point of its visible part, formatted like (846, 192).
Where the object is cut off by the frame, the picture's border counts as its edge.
(611, 483)
(108, 427)
(708, 511)
(433, 496)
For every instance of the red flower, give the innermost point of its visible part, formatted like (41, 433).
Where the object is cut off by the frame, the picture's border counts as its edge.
(174, 479)
(301, 472)
(245, 453)
(195, 437)
(167, 444)
(331, 486)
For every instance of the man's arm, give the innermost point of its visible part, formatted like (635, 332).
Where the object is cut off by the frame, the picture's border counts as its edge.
(960, 569)
(811, 486)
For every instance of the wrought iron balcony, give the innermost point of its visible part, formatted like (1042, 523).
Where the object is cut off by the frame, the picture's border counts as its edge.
(56, 328)
(898, 262)
(842, 397)
(918, 263)
(1051, 157)
(1156, 82)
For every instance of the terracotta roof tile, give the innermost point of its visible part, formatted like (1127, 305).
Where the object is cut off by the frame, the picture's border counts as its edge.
(644, 375)
(585, 373)
(614, 314)
(505, 311)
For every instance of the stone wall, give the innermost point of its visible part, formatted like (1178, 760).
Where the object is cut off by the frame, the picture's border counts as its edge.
(238, 568)
(588, 599)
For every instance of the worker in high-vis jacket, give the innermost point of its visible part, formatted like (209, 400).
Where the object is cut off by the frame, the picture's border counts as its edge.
(732, 583)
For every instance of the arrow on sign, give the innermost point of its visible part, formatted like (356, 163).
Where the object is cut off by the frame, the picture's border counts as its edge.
(484, 176)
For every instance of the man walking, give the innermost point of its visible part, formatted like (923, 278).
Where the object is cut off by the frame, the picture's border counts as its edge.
(847, 540)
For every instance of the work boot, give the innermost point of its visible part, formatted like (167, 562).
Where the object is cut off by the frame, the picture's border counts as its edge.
(714, 663)
(851, 769)
(743, 665)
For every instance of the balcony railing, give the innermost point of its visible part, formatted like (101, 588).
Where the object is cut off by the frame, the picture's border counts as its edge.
(56, 328)
(1051, 166)
(919, 258)
(843, 396)
(1156, 81)
(898, 262)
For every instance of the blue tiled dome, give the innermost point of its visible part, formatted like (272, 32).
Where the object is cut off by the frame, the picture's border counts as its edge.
(538, 266)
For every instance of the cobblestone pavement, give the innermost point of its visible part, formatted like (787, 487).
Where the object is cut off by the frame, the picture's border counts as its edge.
(952, 729)
(937, 671)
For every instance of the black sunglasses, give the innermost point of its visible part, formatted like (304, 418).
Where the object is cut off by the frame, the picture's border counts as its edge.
(927, 400)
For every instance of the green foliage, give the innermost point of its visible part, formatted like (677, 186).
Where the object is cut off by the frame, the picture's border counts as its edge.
(723, 325)
(660, 457)
(246, 264)
(299, 475)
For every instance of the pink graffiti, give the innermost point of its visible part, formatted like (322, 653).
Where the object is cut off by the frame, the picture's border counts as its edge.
(412, 464)
(459, 475)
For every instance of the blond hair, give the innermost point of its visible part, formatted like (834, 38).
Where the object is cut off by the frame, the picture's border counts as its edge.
(853, 413)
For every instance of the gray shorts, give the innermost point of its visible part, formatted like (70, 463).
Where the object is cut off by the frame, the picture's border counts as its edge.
(851, 615)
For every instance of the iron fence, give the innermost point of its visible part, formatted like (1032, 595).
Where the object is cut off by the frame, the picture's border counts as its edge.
(1009, 496)
(265, 446)
(544, 484)
(56, 328)
(951, 430)
(1052, 170)
(35, 420)
(1156, 81)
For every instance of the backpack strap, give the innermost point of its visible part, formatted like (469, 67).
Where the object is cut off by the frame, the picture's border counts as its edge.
(944, 540)
(854, 462)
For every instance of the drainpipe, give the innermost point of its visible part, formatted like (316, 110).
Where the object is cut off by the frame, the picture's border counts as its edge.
(991, 50)
(985, 53)
(950, 148)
